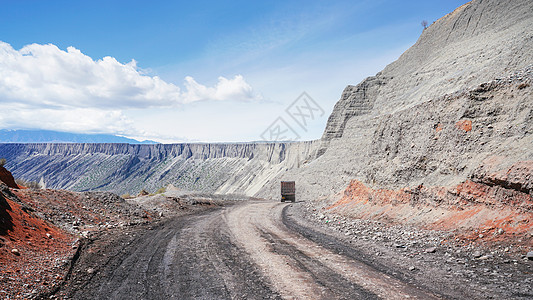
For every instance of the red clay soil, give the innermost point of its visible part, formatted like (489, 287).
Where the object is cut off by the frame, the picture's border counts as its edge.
(34, 255)
(44, 248)
(39, 232)
(90, 212)
(465, 125)
(7, 178)
(496, 209)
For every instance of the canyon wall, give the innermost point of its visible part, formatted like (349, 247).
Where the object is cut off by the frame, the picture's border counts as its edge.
(125, 168)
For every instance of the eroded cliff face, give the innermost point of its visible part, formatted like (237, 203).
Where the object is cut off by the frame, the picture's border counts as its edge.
(406, 125)
(124, 168)
(478, 42)
(442, 137)
(436, 143)
(497, 204)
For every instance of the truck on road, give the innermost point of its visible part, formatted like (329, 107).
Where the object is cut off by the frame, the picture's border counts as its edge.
(288, 191)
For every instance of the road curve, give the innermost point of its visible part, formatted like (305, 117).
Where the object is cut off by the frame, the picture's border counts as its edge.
(244, 251)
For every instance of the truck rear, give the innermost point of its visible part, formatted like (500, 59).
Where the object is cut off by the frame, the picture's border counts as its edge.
(288, 191)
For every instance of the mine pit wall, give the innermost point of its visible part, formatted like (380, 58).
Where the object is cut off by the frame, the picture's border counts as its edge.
(489, 208)
(478, 42)
(462, 162)
(435, 114)
(239, 168)
(436, 143)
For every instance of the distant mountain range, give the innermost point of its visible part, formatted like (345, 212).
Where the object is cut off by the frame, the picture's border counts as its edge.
(48, 136)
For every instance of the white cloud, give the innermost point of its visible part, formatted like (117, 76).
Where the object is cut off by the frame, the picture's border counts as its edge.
(44, 87)
(235, 89)
(85, 120)
(48, 77)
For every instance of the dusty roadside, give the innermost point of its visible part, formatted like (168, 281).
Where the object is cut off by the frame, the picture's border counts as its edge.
(436, 260)
(46, 234)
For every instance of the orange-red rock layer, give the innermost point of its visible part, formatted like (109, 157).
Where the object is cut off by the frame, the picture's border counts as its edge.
(33, 253)
(492, 207)
(7, 178)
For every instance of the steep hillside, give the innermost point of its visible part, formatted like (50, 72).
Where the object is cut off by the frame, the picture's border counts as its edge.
(435, 143)
(478, 42)
(33, 252)
(125, 168)
(400, 128)
(42, 231)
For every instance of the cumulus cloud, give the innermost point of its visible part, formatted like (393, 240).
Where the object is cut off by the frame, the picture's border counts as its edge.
(236, 89)
(44, 87)
(46, 76)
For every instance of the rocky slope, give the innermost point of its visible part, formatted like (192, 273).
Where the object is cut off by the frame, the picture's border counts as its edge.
(7, 178)
(43, 231)
(437, 143)
(401, 127)
(441, 138)
(476, 43)
(125, 168)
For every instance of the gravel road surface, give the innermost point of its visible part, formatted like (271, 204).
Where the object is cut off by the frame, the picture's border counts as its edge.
(252, 250)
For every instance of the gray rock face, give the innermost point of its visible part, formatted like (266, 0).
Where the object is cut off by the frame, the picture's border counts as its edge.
(383, 130)
(440, 142)
(126, 168)
(476, 43)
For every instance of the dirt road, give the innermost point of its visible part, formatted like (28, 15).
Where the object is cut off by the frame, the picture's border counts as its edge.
(253, 250)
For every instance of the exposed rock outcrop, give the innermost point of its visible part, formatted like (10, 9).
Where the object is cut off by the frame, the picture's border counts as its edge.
(122, 168)
(473, 203)
(480, 210)
(7, 178)
(476, 43)
(31, 250)
(440, 142)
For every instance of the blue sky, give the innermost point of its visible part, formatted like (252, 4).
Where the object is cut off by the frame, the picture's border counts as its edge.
(193, 71)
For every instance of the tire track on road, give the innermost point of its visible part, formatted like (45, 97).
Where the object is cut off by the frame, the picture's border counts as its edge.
(249, 221)
(207, 265)
(243, 251)
(333, 285)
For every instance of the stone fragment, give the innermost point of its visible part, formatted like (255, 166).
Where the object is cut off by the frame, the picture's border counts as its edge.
(529, 255)
(15, 251)
(431, 250)
(476, 254)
